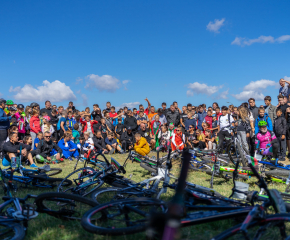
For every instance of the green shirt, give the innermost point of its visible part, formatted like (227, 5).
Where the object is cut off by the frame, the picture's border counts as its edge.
(76, 136)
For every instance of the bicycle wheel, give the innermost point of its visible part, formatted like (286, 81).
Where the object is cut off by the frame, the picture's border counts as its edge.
(84, 181)
(276, 172)
(242, 155)
(272, 227)
(104, 195)
(63, 205)
(11, 230)
(149, 168)
(51, 172)
(42, 181)
(121, 217)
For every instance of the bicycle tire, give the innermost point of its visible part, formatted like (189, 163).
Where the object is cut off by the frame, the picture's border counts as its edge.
(274, 219)
(134, 208)
(51, 172)
(11, 230)
(76, 188)
(63, 205)
(276, 172)
(55, 181)
(243, 158)
(150, 169)
(105, 195)
(122, 182)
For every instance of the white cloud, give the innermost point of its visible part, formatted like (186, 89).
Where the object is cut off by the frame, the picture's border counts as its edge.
(85, 100)
(201, 88)
(216, 25)
(79, 80)
(223, 95)
(103, 83)
(125, 82)
(262, 39)
(129, 105)
(54, 91)
(255, 90)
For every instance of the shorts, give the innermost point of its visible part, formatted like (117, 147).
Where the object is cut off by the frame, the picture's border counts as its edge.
(149, 140)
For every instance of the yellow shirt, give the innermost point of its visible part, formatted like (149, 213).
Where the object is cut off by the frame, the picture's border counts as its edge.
(142, 143)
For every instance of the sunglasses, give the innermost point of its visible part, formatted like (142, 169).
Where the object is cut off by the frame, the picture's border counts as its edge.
(47, 136)
(189, 127)
(177, 130)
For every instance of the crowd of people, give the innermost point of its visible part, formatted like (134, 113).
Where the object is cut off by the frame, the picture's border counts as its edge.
(58, 132)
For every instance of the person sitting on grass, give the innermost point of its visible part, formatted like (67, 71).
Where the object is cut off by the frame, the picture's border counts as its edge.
(99, 143)
(141, 146)
(11, 150)
(178, 140)
(112, 144)
(45, 147)
(68, 147)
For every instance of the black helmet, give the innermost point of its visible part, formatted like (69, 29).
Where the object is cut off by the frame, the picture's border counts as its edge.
(34, 104)
(12, 108)
(2, 100)
(20, 106)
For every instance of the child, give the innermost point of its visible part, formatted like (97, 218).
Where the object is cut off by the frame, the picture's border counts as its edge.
(69, 149)
(209, 140)
(171, 130)
(155, 129)
(61, 125)
(104, 128)
(34, 125)
(119, 128)
(280, 129)
(88, 124)
(263, 117)
(53, 121)
(164, 139)
(87, 111)
(113, 112)
(214, 125)
(189, 121)
(46, 126)
(70, 121)
(141, 146)
(178, 140)
(28, 141)
(112, 144)
(21, 120)
(76, 134)
(37, 140)
(200, 140)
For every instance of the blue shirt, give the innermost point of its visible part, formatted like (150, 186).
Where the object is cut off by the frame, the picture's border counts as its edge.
(4, 120)
(65, 125)
(36, 140)
(110, 142)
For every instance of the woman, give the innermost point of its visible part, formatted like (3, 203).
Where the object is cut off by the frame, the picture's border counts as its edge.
(209, 140)
(34, 125)
(191, 137)
(69, 149)
(178, 140)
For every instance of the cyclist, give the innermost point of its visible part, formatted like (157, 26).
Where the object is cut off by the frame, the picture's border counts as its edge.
(266, 141)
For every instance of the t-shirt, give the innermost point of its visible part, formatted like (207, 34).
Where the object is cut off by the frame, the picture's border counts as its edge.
(190, 136)
(89, 128)
(113, 114)
(142, 118)
(284, 90)
(110, 142)
(36, 140)
(76, 136)
(184, 117)
(224, 121)
(151, 115)
(145, 134)
(65, 125)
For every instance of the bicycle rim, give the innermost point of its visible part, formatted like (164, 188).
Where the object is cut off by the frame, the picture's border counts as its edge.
(11, 231)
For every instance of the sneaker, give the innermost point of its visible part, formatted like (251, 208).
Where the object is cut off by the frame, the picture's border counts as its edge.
(69, 158)
(33, 165)
(288, 156)
(112, 151)
(282, 159)
(61, 159)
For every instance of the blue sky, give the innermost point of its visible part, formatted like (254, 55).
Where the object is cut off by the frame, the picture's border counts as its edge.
(125, 51)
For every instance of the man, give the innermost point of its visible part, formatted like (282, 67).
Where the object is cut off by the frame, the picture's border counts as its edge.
(11, 150)
(284, 89)
(224, 123)
(96, 113)
(47, 109)
(71, 104)
(45, 147)
(145, 132)
(108, 105)
(135, 113)
(183, 117)
(173, 116)
(4, 123)
(269, 108)
(175, 104)
(152, 113)
(127, 139)
(141, 107)
(131, 122)
(201, 115)
(189, 107)
(162, 117)
(253, 108)
(164, 109)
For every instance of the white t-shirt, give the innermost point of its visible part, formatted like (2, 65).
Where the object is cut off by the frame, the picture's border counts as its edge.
(89, 128)
(224, 121)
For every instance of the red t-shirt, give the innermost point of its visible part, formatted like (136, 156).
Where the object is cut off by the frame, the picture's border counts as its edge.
(146, 111)
(113, 114)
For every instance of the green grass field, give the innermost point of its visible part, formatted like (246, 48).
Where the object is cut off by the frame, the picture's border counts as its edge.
(45, 227)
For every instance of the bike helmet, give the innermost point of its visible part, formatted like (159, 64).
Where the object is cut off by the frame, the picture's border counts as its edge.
(47, 118)
(34, 104)
(9, 102)
(262, 124)
(2, 100)
(12, 108)
(20, 106)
